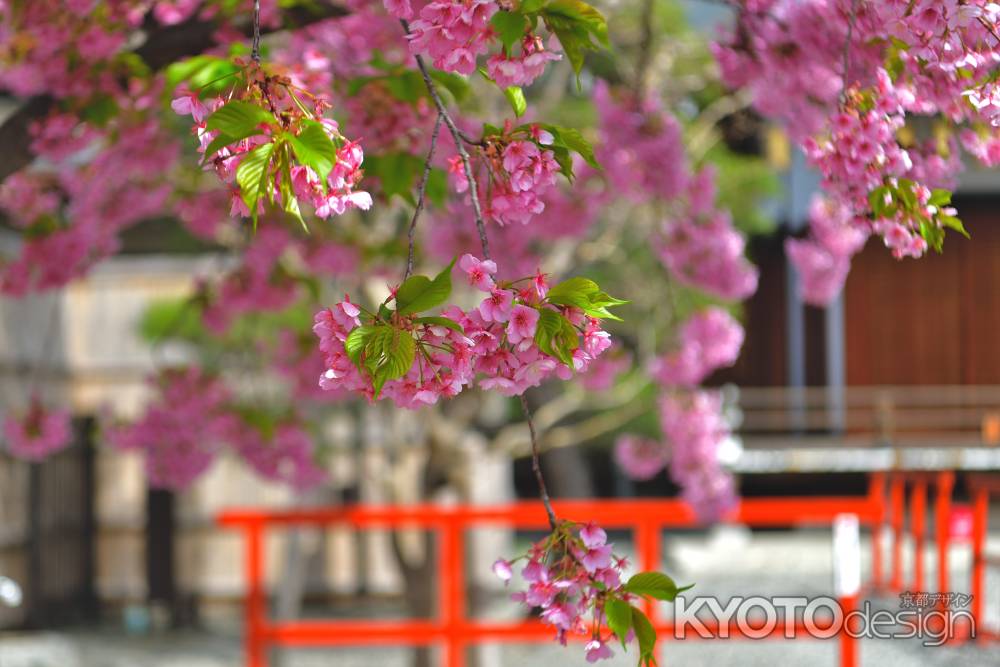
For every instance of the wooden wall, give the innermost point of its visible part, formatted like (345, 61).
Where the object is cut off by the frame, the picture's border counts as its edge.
(930, 321)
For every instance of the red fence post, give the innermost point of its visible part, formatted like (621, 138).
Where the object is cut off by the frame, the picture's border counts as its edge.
(848, 644)
(647, 537)
(451, 575)
(897, 489)
(876, 495)
(945, 482)
(918, 525)
(980, 513)
(256, 650)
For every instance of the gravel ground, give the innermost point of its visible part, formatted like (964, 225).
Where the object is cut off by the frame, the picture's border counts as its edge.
(724, 563)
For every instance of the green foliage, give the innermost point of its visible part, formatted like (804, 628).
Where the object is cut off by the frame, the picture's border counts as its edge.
(645, 635)
(515, 96)
(619, 617)
(382, 351)
(586, 295)
(576, 25)
(209, 76)
(509, 27)
(252, 176)
(314, 149)
(655, 585)
(440, 322)
(556, 336)
(234, 122)
(420, 293)
(900, 199)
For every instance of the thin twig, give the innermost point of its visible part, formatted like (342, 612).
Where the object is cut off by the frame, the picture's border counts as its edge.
(421, 193)
(456, 134)
(255, 49)
(847, 47)
(536, 465)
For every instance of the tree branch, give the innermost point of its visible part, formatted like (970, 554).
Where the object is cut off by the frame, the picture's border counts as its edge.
(421, 193)
(536, 465)
(163, 45)
(457, 135)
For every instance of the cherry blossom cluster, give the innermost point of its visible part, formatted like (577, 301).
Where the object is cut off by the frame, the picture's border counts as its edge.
(194, 418)
(454, 33)
(641, 151)
(694, 424)
(38, 433)
(691, 418)
(519, 335)
(644, 157)
(577, 582)
(570, 574)
(710, 339)
(269, 146)
(521, 70)
(850, 82)
(515, 170)
(823, 259)
(703, 249)
(70, 211)
(258, 284)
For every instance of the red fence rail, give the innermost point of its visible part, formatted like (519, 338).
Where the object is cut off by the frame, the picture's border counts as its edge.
(453, 628)
(982, 488)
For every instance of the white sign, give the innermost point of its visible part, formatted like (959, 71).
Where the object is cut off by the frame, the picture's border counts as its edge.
(846, 555)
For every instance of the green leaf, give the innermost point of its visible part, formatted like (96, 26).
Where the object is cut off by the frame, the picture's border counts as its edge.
(314, 149)
(252, 175)
(580, 13)
(456, 84)
(876, 199)
(565, 161)
(573, 140)
(515, 96)
(388, 354)
(221, 141)
(586, 295)
(645, 634)
(951, 222)
(509, 27)
(655, 585)
(355, 343)
(239, 120)
(576, 24)
(440, 322)
(555, 336)
(619, 617)
(939, 197)
(420, 293)
(532, 6)
(288, 198)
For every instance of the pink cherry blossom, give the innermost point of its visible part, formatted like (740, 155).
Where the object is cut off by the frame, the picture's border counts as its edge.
(522, 324)
(478, 272)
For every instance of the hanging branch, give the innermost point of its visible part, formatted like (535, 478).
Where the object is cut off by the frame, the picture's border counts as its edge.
(255, 49)
(536, 465)
(421, 194)
(459, 137)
